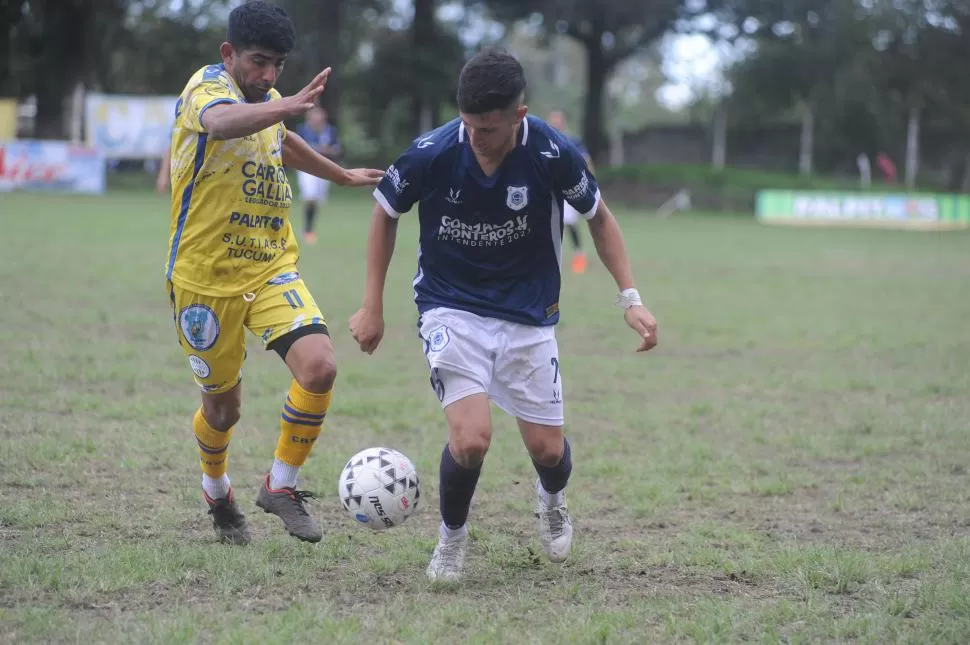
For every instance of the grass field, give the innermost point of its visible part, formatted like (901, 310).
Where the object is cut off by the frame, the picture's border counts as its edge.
(789, 466)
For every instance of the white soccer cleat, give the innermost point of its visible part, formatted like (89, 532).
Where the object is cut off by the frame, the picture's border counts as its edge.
(448, 559)
(555, 529)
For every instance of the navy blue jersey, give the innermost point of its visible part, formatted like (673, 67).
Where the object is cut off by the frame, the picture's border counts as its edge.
(490, 245)
(576, 141)
(316, 138)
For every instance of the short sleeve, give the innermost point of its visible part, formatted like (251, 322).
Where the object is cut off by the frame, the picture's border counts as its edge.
(211, 90)
(401, 186)
(573, 182)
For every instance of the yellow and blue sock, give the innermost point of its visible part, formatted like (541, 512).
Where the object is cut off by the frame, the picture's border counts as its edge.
(300, 425)
(213, 456)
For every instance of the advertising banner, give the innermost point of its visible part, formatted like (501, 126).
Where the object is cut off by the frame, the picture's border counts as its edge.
(51, 166)
(890, 210)
(129, 127)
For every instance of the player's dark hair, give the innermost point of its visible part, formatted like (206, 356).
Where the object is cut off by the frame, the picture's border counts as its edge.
(260, 24)
(491, 80)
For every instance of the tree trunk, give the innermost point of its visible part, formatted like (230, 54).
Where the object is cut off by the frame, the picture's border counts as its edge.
(807, 144)
(58, 52)
(597, 70)
(912, 147)
(719, 146)
(422, 37)
(329, 52)
(965, 182)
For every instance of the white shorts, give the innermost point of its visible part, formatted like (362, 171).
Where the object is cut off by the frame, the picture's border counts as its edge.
(570, 216)
(313, 188)
(516, 365)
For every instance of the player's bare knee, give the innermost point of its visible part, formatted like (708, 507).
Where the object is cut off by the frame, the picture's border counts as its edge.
(317, 373)
(469, 444)
(545, 450)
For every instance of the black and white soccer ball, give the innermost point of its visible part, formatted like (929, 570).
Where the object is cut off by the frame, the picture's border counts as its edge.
(379, 488)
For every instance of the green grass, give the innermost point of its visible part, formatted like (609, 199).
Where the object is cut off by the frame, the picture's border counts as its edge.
(789, 466)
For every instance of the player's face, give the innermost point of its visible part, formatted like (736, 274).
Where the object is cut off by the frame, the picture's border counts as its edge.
(255, 70)
(493, 134)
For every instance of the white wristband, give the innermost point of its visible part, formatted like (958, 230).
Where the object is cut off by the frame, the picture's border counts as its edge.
(629, 298)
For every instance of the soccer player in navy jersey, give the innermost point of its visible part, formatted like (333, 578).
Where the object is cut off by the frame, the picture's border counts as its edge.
(490, 188)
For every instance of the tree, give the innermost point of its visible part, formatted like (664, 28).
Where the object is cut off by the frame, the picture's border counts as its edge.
(49, 52)
(867, 72)
(610, 31)
(803, 48)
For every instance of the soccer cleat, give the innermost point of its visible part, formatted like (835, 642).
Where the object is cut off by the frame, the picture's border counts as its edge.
(579, 263)
(555, 529)
(228, 521)
(448, 559)
(287, 504)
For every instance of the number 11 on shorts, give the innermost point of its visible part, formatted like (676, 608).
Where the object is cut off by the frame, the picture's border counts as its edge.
(293, 299)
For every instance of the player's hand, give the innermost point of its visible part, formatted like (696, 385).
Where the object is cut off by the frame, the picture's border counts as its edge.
(642, 322)
(367, 328)
(299, 103)
(363, 177)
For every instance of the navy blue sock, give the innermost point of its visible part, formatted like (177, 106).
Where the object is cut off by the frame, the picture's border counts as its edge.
(456, 485)
(555, 478)
(309, 212)
(574, 233)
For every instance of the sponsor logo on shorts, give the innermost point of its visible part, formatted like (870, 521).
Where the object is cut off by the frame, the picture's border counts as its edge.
(199, 367)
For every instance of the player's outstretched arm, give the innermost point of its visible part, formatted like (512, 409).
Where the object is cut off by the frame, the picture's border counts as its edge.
(611, 248)
(299, 154)
(367, 325)
(237, 120)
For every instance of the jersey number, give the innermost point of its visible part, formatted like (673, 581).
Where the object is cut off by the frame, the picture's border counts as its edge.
(293, 298)
(555, 364)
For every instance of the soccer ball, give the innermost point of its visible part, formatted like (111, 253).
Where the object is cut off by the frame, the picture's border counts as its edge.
(379, 488)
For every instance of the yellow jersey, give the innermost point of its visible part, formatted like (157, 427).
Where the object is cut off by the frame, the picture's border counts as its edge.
(230, 228)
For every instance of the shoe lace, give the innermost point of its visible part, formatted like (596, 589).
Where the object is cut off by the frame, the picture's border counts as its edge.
(449, 553)
(298, 497)
(557, 516)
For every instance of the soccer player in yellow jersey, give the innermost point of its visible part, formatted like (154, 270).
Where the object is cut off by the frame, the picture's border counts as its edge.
(232, 256)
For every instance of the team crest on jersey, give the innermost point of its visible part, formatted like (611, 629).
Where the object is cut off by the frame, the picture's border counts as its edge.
(278, 150)
(200, 327)
(517, 198)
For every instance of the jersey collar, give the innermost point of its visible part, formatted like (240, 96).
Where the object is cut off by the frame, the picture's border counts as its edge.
(523, 131)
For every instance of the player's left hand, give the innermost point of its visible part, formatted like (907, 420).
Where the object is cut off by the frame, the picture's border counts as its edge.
(363, 177)
(642, 322)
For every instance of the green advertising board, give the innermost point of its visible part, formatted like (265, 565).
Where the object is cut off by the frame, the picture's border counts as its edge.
(920, 211)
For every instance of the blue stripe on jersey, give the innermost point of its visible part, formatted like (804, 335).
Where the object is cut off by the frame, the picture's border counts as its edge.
(186, 199)
(210, 104)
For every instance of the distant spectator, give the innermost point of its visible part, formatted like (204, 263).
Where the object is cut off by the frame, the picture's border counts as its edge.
(887, 167)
